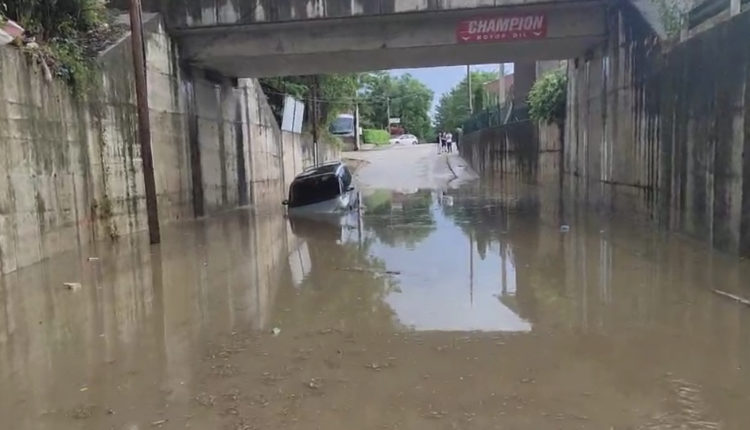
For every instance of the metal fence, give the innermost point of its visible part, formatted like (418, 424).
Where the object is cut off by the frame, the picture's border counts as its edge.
(708, 9)
(496, 116)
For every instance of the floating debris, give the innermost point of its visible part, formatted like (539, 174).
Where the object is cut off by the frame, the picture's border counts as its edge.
(739, 299)
(72, 286)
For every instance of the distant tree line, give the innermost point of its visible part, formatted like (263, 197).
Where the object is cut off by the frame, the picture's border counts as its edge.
(377, 95)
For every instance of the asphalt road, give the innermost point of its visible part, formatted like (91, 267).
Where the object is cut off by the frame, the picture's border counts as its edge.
(408, 168)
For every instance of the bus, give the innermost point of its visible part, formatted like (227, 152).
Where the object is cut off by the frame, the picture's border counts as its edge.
(345, 127)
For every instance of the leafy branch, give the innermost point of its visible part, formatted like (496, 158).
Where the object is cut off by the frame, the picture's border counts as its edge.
(548, 97)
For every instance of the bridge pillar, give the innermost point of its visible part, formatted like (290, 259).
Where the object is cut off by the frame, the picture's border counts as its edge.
(524, 75)
(735, 7)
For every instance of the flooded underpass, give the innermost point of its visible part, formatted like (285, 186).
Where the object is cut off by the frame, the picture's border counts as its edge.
(443, 304)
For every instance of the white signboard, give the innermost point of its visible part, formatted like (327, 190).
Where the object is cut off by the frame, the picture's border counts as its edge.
(294, 114)
(395, 120)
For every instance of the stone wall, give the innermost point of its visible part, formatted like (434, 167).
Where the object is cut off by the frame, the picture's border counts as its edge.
(667, 128)
(72, 166)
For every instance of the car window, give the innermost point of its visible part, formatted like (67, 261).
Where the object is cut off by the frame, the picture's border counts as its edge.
(346, 177)
(314, 190)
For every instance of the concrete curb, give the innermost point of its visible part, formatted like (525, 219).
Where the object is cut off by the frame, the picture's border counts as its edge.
(460, 168)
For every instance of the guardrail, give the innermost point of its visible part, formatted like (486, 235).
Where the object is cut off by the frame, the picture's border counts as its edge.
(707, 10)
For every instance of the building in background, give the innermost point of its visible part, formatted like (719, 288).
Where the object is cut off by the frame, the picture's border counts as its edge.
(499, 90)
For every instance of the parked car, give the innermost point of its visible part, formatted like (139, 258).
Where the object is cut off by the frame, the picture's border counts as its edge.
(405, 139)
(326, 188)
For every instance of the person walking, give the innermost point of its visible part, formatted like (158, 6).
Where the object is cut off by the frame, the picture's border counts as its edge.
(449, 142)
(441, 142)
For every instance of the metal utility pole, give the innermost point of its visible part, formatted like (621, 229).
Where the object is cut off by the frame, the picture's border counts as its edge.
(471, 268)
(356, 126)
(388, 113)
(315, 118)
(500, 83)
(468, 86)
(144, 124)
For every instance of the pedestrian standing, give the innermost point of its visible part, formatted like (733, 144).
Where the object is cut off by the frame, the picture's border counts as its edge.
(449, 142)
(441, 142)
(457, 137)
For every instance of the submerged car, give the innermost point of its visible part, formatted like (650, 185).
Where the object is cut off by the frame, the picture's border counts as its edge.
(326, 188)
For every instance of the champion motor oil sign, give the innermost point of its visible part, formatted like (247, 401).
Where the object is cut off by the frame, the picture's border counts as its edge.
(499, 28)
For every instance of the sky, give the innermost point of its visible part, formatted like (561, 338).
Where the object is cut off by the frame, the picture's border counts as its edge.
(442, 79)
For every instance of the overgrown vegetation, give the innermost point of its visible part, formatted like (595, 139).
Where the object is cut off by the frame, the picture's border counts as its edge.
(376, 136)
(548, 96)
(672, 14)
(64, 35)
(453, 109)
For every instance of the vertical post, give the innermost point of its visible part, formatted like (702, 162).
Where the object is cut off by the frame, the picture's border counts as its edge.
(468, 88)
(356, 126)
(471, 268)
(144, 126)
(315, 119)
(388, 113)
(735, 7)
(500, 83)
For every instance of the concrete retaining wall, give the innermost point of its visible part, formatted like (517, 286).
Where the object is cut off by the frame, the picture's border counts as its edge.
(299, 153)
(668, 128)
(72, 166)
(513, 149)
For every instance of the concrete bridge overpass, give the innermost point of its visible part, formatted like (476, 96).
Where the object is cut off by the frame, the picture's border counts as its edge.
(255, 38)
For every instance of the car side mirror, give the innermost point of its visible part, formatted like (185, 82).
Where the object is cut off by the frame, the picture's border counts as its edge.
(351, 188)
(285, 203)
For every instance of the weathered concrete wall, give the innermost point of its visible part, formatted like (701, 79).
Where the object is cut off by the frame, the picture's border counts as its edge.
(299, 153)
(513, 149)
(73, 172)
(202, 13)
(668, 130)
(419, 37)
(71, 167)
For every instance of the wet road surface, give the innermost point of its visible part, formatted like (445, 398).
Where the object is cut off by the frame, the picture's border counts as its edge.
(445, 304)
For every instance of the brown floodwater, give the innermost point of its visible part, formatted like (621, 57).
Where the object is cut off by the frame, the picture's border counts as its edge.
(463, 308)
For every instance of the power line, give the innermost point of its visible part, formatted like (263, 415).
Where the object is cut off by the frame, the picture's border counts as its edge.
(364, 100)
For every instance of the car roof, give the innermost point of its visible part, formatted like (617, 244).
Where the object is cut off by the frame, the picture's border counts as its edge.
(329, 168)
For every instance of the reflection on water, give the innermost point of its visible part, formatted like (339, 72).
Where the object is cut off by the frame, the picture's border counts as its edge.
(448, 279)
(383, 315)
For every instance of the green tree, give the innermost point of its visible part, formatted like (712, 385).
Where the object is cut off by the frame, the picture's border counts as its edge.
(548, 96)
(453, 108)
(673, 14)
(480, 98)
(409, 99)
(335, 93)
(375, 92)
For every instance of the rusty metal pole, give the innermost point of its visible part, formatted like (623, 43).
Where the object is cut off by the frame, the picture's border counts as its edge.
(144, 125)
(314, 90)
(468, 88)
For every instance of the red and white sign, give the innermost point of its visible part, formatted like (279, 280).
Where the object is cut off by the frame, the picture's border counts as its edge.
(502, 28)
